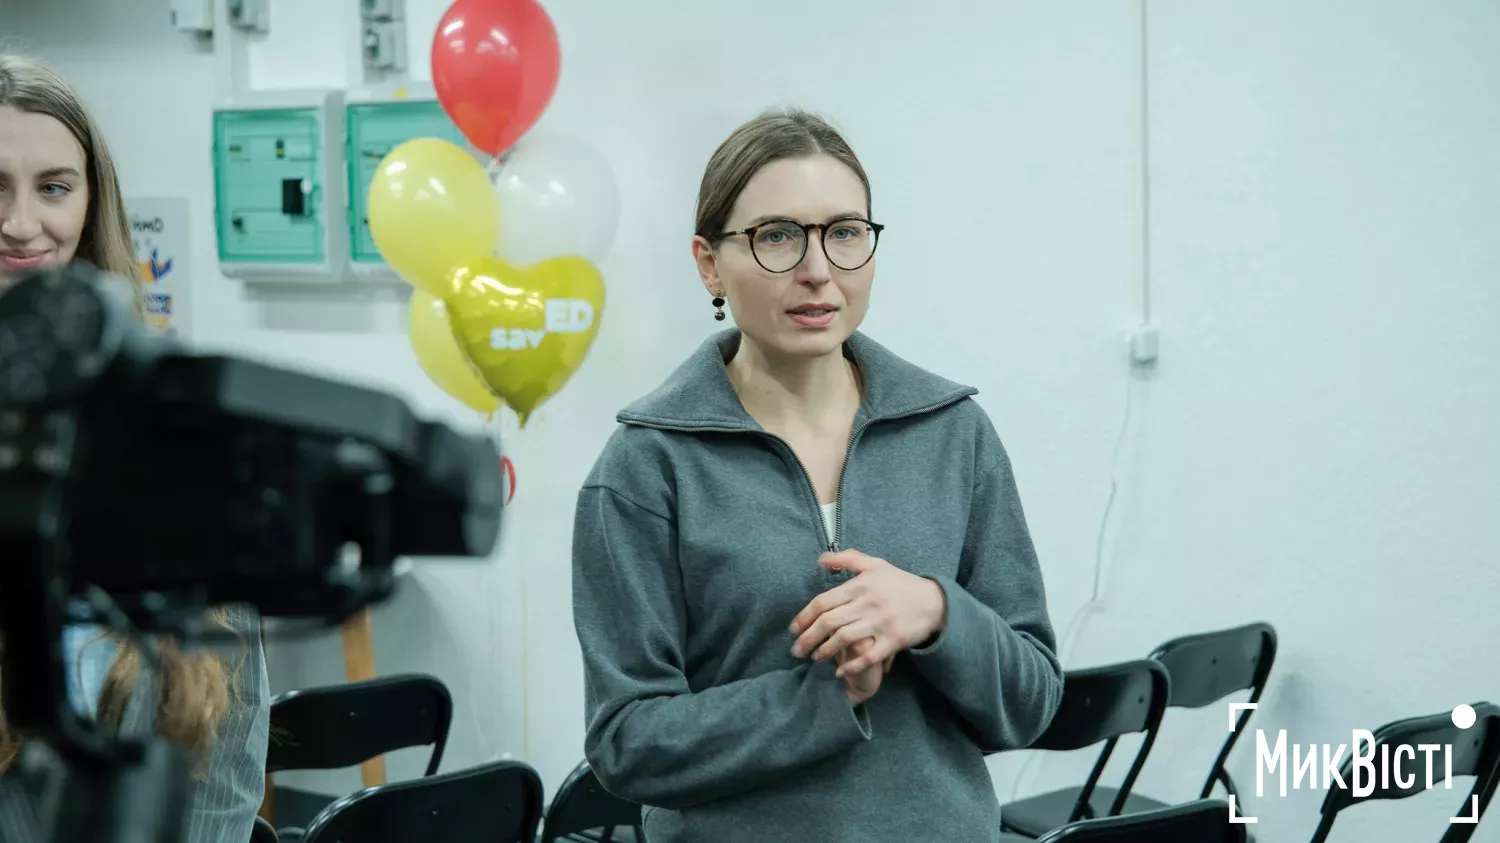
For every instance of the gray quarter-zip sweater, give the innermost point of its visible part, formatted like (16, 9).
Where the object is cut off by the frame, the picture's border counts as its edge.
(696, 541)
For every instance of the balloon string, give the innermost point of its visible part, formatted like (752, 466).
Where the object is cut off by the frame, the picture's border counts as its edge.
(525, 674)
(525, 643)
(525, 661)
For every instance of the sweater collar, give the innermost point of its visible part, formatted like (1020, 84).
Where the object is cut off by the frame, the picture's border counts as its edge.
(698, 395)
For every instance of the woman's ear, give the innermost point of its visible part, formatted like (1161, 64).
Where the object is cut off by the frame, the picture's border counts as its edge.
(708, 265)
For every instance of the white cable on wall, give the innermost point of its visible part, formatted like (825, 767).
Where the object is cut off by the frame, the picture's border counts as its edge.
(1096, 601)
(1147, 206)
(1096, 597)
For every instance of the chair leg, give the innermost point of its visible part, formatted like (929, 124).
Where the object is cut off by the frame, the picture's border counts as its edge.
(1228, 782)
(267, 810)
(1325, 825)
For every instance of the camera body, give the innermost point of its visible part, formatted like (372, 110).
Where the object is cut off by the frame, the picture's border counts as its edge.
(228, 481)
(213, 478)
(171, 482)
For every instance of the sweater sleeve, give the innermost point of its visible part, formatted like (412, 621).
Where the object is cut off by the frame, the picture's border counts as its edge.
(650, 738)
(995, 659)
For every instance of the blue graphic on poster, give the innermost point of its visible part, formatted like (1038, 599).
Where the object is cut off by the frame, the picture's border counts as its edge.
(159, 229)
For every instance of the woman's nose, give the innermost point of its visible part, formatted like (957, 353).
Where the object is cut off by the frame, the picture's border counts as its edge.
(19, 221)
(814, 268)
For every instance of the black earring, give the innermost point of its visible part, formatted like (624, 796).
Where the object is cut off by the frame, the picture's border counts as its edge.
(719, 308)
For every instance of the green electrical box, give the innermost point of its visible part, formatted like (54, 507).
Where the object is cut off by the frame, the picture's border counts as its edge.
(374, 127)
(277, 178)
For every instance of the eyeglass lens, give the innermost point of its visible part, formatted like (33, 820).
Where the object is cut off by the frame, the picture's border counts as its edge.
(780, 246)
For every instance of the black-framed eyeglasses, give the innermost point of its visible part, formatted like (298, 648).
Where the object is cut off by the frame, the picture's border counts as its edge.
(779, 245)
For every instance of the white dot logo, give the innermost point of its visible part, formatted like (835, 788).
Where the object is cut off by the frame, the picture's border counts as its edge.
(1463, 716)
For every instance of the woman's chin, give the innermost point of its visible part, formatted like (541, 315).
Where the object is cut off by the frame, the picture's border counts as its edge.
(9, 275)
(801, 344)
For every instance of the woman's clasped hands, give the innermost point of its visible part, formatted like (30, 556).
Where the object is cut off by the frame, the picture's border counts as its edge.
(863, 623)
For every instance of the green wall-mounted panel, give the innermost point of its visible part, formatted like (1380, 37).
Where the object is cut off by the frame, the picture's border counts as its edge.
(373, 130)
(268, 186)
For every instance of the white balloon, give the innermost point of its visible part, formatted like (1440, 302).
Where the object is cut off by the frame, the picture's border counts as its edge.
(558, 196)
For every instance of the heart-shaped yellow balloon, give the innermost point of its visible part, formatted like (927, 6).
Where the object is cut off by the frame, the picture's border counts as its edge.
(526, 329)
(440, 356)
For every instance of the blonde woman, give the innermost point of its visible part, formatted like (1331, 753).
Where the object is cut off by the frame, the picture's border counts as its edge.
(59, 202)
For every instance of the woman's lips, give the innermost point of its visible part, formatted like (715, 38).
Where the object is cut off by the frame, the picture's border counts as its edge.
(22, 260)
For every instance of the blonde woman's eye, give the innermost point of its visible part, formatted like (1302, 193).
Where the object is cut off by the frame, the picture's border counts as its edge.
(55, 190)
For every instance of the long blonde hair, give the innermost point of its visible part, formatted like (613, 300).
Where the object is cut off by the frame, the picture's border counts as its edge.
(195, 691)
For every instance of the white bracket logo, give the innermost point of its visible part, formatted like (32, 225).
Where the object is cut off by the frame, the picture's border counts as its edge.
(1235, 709)
(1472, 818)
(1238, 820)
(1464, 717)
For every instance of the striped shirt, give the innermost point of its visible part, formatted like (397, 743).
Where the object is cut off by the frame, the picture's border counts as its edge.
(223, 804)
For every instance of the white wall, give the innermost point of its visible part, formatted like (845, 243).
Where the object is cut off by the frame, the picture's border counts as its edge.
(1318, 450)
(1311, 450)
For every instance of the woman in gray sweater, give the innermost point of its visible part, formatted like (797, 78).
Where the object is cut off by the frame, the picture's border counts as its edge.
(806, 594)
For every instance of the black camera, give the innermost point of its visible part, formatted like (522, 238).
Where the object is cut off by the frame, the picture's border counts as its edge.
(173, 481)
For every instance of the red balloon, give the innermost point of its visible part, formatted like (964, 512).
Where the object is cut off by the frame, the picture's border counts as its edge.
(495, 65)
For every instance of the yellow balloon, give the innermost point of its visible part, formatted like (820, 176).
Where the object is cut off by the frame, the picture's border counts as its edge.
(441, 358)
(526, 329)
(431, 209)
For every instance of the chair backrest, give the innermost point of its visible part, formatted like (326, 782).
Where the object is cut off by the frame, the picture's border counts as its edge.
(582, 804)
(499, 802)
(337, 726)
(1475, 751)
(1202, 821)
(263, 832)
(1208, 666)
(1102, 704)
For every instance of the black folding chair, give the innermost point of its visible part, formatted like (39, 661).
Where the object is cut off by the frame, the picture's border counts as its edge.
(1200, 821)
(1204, 669)
(1207, 667)
(499, 802)
(1476, 752)
(339, 726)
(583, 805)
(263, 832)
(1098, 704)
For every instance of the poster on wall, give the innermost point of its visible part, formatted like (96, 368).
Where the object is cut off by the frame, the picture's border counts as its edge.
(159, 228)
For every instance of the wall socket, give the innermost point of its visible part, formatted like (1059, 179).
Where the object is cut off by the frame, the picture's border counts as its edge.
(249, 14)
(382, 9)
(192, 15)
(1143, 342)
(384, 35)
(385, 45)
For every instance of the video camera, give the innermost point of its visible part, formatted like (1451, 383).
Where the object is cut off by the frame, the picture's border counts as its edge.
(173, 482)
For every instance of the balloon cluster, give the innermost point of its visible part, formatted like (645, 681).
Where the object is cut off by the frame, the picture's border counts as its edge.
(502, 258)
